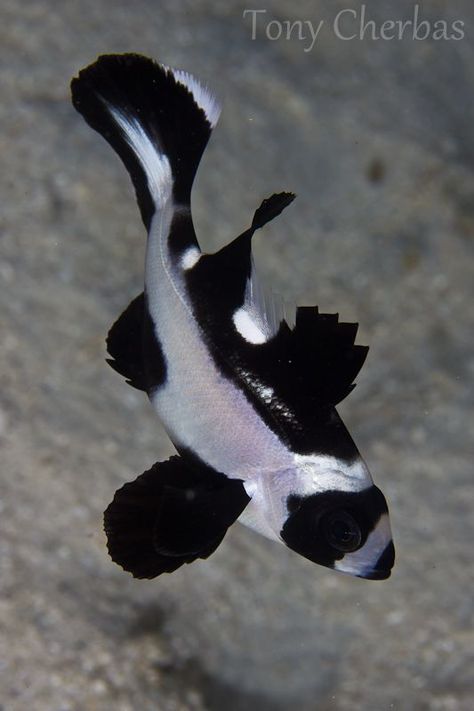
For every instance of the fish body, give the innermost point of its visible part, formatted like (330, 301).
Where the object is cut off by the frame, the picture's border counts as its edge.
(248, 401)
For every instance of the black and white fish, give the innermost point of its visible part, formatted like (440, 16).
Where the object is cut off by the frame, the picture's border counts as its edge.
(248, 401)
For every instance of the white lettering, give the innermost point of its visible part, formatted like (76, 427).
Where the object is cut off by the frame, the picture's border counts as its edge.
(347, 20)
(440, 30)
(314, 33)
(254, 20)
(279, 30)
(337, 27)
(458, 30)
(385, 29)
(418, 25)
(290, 26)
(402, 26)
(364, 26)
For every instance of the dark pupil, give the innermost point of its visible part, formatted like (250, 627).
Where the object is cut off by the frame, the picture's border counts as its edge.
(342, 531)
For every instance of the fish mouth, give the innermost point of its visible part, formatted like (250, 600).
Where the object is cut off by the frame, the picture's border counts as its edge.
(384, 565)
(381, 569)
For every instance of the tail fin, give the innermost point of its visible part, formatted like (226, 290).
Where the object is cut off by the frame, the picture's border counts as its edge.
(157, 119)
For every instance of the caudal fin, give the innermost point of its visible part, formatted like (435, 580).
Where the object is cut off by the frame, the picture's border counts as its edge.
(157, 119)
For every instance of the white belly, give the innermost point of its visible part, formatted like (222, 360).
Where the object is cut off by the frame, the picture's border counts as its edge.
(200, 408)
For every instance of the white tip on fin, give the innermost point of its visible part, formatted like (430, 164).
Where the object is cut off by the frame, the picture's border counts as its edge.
(203, 97)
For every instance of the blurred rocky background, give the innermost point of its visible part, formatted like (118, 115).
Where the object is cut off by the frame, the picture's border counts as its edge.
(376, 137)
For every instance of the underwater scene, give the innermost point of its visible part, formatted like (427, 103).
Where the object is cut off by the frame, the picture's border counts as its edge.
(288, 490)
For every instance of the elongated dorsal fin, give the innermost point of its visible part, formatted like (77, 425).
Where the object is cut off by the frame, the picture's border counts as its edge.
(271, 207)
(223, 282)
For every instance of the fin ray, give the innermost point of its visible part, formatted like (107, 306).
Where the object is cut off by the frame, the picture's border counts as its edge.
(157, 119)
(227, 282)
(174, 513)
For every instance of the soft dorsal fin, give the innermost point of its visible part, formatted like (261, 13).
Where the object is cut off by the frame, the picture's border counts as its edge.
(298, 376)
(309, 367)
(324, 350)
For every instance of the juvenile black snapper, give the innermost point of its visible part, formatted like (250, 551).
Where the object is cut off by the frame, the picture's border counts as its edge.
(248, 401)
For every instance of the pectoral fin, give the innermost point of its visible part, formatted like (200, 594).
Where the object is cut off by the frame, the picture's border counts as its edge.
(172, 514)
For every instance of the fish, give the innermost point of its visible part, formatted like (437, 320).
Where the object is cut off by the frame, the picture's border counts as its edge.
(246, 395)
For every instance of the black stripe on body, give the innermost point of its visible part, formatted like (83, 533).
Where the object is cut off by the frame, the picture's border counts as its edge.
(295, 378)
(182, 234)
(299, 409)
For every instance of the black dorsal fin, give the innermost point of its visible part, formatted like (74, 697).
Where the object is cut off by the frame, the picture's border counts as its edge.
(218, 281)
(174, 513)
(309, 368)
(271, 207)
(325, 351)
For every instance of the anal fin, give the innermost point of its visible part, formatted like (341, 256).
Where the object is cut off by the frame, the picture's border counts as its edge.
(135, 349)
(125, 344)
(172, 514)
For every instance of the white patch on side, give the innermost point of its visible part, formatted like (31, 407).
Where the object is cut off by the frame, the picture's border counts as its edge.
(319, 472)
(202, 95)
(156, 165)
(190, 257)
(259, 318)
(248, 327)
(363, 561)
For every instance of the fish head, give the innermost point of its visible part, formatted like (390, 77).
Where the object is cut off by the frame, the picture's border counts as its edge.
(337, 517)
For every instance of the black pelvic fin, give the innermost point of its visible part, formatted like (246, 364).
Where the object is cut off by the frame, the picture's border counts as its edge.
(271, 207)
(174, 513)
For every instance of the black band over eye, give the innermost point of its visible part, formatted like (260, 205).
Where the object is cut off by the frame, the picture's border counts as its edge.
(341, 531)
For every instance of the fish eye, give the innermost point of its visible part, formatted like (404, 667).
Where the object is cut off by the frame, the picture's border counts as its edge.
(341, 531)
